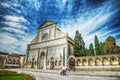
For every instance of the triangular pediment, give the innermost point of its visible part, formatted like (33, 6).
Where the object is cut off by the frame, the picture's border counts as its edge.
(46, 24)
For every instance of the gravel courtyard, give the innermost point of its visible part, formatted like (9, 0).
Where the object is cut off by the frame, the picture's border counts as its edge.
(54, 75)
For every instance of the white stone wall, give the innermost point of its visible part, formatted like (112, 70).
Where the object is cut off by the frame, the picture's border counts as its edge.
(71, 49)
(52, 32)
(33, 54)
(59, 34)
(49, 30)
(55, 52)
(39, 36)
(49, 43)
(22, 61)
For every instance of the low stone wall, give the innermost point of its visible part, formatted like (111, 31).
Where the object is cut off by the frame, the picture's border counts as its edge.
(97, 68)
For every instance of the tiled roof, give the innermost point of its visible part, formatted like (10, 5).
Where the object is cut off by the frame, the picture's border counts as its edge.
(14, 55)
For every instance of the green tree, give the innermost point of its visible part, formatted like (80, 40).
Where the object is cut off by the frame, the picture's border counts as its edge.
(82, 47)
(91, 51)
(79, 45)
(110, 45)
(116, 49)
(102, 46)
(87, 52)
(82, 51)
(97, 46)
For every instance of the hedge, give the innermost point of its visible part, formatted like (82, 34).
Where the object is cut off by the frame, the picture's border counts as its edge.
(13, 73)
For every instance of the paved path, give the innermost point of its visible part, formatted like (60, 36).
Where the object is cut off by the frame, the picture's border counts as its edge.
(54, 75)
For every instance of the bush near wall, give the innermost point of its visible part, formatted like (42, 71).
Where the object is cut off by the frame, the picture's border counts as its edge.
(6, 75)
(27, 77)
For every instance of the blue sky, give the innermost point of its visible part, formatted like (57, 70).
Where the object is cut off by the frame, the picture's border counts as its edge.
(19, 20)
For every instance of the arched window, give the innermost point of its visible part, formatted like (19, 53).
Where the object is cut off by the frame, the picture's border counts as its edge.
(84, 62)
(105, 61)
(60, 62)
(45, 37)
(91, 62)
(78, 62)
(114, 61)
(9, 61)
(13, 61)
(98, 62)
(17, 62)
(56, 63)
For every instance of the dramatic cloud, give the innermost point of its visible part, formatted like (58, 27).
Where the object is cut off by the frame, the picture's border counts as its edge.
(19, 20)
(91, 23)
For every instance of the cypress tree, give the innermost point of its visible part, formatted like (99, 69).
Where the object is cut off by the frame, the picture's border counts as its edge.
(87, 52)
(91, 51)
(102, 46)
(97, 46)
(77, 46)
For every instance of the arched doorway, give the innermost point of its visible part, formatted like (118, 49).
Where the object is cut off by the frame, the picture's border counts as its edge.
(98, 62)
(78, 62)
(42, 60)
(84, 62)
(91, 62)
(105, 61)
(114, 61)
(52, 63)
(71, 63)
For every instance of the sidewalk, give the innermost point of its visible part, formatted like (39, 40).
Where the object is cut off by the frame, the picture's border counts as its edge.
(80, 73)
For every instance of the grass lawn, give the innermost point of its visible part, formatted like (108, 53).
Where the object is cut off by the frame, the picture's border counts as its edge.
(11, 78)
(12, 75)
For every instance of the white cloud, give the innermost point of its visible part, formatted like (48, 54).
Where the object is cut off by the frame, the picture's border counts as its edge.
(8, 4)
(15, 18)
(15, 25)
(6, 38)
(17, 31)
(89, 21)
(8, 43)
(5, 4)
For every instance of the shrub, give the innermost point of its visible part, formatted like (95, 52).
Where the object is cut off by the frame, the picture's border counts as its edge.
(27, 77)
(14, 73)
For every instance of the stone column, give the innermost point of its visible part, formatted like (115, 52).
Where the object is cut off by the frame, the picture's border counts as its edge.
(63, 56)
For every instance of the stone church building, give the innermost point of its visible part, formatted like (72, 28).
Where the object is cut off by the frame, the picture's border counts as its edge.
(50, 48)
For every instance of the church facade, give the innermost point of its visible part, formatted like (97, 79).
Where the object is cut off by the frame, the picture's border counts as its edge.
(50, 48)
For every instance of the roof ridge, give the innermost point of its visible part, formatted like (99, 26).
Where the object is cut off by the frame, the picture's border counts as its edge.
(52, 22)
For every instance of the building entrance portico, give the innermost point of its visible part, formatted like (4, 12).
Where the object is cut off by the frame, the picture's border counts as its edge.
(42, 60)
(71, 63)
